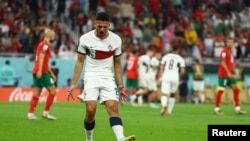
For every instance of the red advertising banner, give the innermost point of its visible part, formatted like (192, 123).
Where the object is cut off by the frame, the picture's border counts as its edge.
(20, 94)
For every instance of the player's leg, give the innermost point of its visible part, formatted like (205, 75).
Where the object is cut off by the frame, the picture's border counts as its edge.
(116, 121)
(222, 83)
(236, 93)
(37, 88)
(109, 96)
(171, 101)
(153, 96)
(50, 86)
(202, 92)
(91, 94)
(89, 119)
(196, 92)
(142, 90)
(165, 90)
(135, 86)
(131, 86)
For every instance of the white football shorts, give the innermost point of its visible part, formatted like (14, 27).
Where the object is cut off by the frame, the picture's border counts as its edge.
(198, 85)
(169, 86)
(101, 89)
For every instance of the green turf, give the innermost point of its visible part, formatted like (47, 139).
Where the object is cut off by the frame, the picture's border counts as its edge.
(188, 123)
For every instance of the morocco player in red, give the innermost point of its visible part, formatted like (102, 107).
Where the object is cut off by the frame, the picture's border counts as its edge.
(226, 78)
(43, 77)
(132, 75)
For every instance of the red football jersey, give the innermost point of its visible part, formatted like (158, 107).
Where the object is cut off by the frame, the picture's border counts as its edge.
(227, 55)
(131, 67)
(43, 46)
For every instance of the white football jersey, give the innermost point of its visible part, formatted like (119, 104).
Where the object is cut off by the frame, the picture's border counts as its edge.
(172, 63)
(154, 62)
(144, 62)
(99, 54)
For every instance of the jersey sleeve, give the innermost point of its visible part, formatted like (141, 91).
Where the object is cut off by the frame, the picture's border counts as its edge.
(182, 63)
(223, 54)
(154, 62)
(163, 61)
(81, 47)
(118, 50)
(45, 48)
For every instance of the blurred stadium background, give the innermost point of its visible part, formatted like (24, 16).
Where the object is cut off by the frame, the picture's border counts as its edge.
(140, 23)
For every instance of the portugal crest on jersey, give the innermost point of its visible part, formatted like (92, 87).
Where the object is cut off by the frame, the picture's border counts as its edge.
(110, 47)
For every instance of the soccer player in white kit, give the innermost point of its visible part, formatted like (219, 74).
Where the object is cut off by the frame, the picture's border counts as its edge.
(172, 65)
(143, 66)
(101, 51)
(151, 79)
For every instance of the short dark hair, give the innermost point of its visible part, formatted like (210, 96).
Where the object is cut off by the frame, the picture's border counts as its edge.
(102, 16)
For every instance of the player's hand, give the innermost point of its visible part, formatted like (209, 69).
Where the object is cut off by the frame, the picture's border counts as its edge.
(229, 74)
(38, 75)
(123, 95)
(70, 92)
(53, 78)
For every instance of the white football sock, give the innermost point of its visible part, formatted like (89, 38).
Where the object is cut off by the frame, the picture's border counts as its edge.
(45, 112)
(216, 109)
(140, 100)
(196, 100)
(133, 97)
(89, 135)
(171, 103)
(202, 98)
(164, 101)
(118, 130)
(237, 108)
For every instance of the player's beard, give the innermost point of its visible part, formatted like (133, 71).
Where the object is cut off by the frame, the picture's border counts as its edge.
(101, 34)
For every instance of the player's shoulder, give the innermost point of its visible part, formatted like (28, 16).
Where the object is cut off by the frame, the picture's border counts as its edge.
(87, 35)
(225, 50)
(43, 43)
(114, 35)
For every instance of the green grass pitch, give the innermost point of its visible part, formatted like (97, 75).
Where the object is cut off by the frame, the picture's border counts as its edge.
(188, 122)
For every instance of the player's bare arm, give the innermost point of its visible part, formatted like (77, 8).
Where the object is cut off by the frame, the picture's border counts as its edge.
(118, 73)
(40, 66)
(161, 71)
(223, 64)
(53, 76)
(183, 71)
(76, 75)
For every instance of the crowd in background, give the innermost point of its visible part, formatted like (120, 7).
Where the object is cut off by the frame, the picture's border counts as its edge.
(196, 26)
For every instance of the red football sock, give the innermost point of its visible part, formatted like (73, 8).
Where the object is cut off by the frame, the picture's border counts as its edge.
(134, 92)
(236, 97)
(49, 102)
(218, 98)
(33, 104)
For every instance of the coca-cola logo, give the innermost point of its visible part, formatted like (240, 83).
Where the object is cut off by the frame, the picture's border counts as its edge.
(21, 95)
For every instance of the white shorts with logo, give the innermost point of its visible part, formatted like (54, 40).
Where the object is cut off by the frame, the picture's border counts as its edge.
(198, 85)
(169, 86)
(101, 89)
